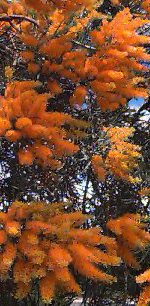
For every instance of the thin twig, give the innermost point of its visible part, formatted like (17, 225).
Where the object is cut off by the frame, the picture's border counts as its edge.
(83, 45)
(9, 18)
(13, 26)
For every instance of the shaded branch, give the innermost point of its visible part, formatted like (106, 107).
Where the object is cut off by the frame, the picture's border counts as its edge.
(20, 18)
(83, 45)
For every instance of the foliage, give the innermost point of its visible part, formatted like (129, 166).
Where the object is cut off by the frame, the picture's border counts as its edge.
(69, 69)
(41, 242)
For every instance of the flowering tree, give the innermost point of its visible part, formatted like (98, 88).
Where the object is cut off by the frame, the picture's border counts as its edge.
(73, 174)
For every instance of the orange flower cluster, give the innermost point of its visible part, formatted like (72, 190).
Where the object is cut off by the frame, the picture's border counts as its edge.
(116, 60)
(111, 72)
(8, 72)
(144, 277)
(146, 6)
(39, 5)
(121, 158)
(144, 297)
(115, 2)
(78, 95)
(98, 166)
(23, 117)
(14, 7)
(144, 191)
(40, 241)
(130, 236)
(56, 47)
(66, 5)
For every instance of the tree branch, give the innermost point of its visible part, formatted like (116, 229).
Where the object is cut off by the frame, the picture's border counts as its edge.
(83, 45)
(10, 18)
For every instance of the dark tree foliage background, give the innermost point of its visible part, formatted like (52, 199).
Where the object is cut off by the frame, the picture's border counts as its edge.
(75, 182)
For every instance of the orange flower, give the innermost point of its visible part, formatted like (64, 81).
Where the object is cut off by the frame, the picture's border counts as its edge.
(144, 277)
(41, 152)
(23, 122)
(8, 72)
(146, 6)
(3, 237)
(33, 68)
(39, 271)
(78, 95)
(22, 271)
(35, 131)
(25, 157)
(144, 297)
(38, 5)
(54, 87)
(87, 269)
(47, 287)
(90, 236)
(98, 166)
(56, 47)
(26, 110)
(12, 228)
(126, 254)
(29, 40)
(13, 136)
(130, 236)
(64, 147)
(144, 191)
(27, 55)
(71, 285)
(59, 256)
(62, 274)
(4, 125)
(9, 254)
(22, 290)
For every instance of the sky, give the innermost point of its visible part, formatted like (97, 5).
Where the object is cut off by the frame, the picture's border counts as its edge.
(136, 104)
